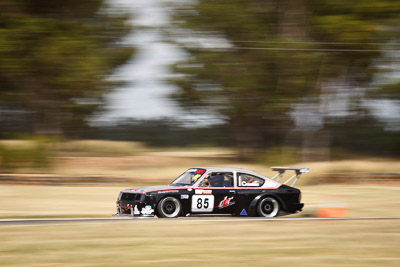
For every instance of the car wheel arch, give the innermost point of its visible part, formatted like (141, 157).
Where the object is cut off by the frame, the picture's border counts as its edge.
(157, 206)
(257, 199)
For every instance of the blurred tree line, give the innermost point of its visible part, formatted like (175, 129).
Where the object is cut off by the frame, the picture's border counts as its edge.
(164, 132)
(55, 60)
(255, 62)
(288, 73)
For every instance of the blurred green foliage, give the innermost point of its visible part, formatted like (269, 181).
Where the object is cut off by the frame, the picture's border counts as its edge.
(363, 136)
(280, 156)
(252, 62)
(273, 54)
(165, 132)
(97, 148)
(26, 153)
(55, 58)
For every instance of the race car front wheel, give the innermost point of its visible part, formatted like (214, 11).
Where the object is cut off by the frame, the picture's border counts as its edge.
(169, 207)
(268, 207)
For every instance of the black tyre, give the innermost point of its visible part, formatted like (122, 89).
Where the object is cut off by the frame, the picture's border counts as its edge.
(268, 207)
(169, 207)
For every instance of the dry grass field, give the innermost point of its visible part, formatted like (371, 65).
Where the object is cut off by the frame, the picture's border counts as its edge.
(164, 166)
(146, 165)
(188, 243)
(158, 242)
(94, 201)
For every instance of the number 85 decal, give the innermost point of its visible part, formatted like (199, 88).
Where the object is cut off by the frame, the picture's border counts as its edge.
(202, 203)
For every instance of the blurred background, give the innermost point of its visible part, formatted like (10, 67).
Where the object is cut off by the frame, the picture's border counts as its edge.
(135, 92)
(100, 95)
(268, 81)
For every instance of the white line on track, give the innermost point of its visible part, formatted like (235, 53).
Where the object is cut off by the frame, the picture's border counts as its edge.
(74, 221)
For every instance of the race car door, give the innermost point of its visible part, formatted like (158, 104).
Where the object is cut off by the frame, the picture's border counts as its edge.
(216, 194)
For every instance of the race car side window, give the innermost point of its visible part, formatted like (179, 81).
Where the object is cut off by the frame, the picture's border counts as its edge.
(248, 180)
(218, 179)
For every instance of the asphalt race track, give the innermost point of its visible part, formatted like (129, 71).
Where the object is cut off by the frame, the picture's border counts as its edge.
(64, 221)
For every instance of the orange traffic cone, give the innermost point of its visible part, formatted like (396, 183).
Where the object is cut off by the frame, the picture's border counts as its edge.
(332, 206)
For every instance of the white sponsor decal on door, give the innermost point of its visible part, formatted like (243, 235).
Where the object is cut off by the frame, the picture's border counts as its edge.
(202, 203)
(203, 191)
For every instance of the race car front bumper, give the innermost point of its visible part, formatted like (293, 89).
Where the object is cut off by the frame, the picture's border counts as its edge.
(135, 210)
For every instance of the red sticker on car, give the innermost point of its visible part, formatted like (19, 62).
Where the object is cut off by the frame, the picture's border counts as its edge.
(226, 202)
(200, 171)
(203, 192)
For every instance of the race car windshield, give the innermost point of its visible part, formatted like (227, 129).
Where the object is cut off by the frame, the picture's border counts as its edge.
(189, 177)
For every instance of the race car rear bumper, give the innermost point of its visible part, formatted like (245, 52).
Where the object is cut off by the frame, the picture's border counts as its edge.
(294, 207)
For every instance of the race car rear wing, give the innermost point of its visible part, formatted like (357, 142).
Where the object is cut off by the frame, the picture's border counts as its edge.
(294, 178)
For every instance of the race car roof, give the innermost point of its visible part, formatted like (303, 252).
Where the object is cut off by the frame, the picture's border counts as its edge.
(229, 169)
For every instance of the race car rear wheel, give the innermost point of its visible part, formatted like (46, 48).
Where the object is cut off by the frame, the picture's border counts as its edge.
(268, 207)
(169, 207)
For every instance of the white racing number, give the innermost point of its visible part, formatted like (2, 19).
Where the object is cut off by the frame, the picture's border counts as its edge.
(202, 203)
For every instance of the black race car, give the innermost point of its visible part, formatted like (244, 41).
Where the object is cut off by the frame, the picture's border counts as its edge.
(215, 190)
